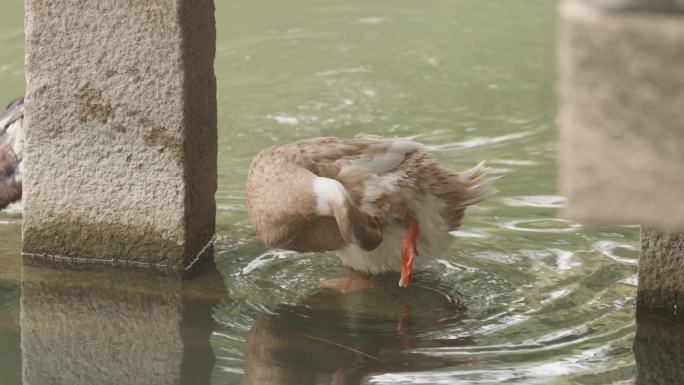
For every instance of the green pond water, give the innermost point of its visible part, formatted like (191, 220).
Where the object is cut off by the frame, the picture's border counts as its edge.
(522, 297)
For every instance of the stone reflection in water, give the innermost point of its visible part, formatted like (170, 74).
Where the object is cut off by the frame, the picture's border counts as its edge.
(339, 339)
(659, 349)
(97, 328)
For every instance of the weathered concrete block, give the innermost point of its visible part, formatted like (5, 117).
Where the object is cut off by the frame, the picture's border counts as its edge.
(84, 329)
(661, 271)
(621, 115)
(120, 158)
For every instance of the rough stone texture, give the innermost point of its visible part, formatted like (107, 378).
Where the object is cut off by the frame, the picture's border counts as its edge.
(661, 271)
(120, 155)
(621, 116)
(659, 350)
(84, 329)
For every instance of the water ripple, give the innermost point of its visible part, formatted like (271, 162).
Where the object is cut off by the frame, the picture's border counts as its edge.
(479, 142)
(470, 234)
(550, 201)
(609, 248)
(547, 225)
(555, 259)
(345, 71)
(265, 259)
(374, 20)
(527, 374)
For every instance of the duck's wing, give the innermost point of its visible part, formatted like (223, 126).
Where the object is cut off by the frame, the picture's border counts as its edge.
(10, 177)
(371, 168)
(364, 154)
(13, 113)
(11, 143)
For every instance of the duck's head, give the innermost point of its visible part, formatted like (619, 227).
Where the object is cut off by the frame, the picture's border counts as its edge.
(287, 202)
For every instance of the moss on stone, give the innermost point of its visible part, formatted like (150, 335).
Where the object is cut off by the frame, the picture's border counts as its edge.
(119, 243)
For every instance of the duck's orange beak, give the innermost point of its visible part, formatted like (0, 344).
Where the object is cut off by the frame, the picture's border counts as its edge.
(409, 250)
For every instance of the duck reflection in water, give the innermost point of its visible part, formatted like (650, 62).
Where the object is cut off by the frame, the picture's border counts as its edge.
(336, 338)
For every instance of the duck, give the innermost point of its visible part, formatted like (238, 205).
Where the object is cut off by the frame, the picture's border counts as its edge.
(381, 203)
(11, 152)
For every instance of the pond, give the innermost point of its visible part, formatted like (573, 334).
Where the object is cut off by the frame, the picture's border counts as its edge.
(520, 297)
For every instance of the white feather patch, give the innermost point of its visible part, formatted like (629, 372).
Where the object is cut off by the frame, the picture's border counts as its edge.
(328, 190)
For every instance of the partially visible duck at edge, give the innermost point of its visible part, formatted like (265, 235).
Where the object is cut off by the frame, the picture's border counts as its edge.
(11, 152)
(383, 204)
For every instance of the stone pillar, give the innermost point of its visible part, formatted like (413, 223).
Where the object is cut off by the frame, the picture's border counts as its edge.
(661, 272)
(85, 328)
(120, 157)
(621, 121)
(644, 5)
(621, 112)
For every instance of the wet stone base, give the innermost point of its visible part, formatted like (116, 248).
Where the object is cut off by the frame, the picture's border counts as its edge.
(82, 238)
(135, 269)
(661, 272)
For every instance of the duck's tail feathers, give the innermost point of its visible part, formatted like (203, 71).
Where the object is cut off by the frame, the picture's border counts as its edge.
(478, 184)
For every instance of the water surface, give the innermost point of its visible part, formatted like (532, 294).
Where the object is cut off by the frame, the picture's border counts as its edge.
(521, 297)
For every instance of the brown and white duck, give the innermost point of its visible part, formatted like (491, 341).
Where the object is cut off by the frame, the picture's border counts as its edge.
(11, 152)
(370, 198)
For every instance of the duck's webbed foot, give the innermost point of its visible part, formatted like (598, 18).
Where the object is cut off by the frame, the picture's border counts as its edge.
(409, 250)
(350, 283)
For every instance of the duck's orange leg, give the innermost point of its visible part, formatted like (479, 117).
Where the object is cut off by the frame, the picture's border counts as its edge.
(409, 250)
(350, 283)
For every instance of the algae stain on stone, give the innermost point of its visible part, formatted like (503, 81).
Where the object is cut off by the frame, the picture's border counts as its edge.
(133, 73)
(156, 135)
(92, 106)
